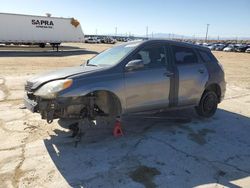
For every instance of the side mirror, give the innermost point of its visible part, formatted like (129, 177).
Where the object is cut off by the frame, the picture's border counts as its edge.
(134, 65)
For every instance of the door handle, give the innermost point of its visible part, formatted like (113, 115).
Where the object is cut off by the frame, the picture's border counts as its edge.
(201, 71)
(168, 74)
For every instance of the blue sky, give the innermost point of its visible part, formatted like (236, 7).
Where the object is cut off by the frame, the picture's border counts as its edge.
(227, 18)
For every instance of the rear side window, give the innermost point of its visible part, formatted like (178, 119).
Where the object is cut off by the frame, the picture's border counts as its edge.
(184, 56)
(207, 56)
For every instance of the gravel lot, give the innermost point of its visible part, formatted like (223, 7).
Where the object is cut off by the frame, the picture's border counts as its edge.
(158, 150)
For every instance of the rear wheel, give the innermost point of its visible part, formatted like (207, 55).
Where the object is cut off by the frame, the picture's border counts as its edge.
(208, 104)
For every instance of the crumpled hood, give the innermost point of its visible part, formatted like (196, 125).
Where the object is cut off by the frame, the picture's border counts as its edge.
(36, 81)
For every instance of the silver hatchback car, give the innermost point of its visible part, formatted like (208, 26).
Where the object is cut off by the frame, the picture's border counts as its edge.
(131, 77)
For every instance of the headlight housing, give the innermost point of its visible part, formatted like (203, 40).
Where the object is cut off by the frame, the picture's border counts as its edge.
(50, 90)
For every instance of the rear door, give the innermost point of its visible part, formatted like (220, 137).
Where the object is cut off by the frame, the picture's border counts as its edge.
(149, 87)
(192, 75)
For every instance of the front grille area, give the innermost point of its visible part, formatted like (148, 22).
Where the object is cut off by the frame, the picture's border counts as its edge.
(28, 86)
(31, 96)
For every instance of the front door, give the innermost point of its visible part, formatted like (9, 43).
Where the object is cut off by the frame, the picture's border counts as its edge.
(149, 87)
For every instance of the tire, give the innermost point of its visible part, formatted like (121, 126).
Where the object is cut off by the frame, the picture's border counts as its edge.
(208, 104)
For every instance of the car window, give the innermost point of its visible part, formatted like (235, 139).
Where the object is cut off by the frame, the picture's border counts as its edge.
(152, 57)
(208, 55)
(184, 55)
(205, 56)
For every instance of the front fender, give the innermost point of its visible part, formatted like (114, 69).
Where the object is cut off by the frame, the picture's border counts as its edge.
(113, 83)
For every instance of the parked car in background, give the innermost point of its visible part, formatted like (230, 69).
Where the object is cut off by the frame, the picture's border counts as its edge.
(132, 77)
(212, 46)
(108, 40)
(122, 39)
(205, 44)
(90, 40)
(248, 50)
(98, 40)
(241, 48)
(229, 48)
(220, 47)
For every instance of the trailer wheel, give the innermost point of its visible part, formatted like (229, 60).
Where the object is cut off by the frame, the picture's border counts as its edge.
(55, 45)
(42, 45)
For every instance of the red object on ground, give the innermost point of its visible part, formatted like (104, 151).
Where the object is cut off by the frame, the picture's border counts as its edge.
(117, 132)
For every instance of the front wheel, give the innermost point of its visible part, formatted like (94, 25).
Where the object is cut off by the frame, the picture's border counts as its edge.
(208, 104)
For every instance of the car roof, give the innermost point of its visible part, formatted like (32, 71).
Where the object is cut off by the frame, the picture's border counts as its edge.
(171, 42)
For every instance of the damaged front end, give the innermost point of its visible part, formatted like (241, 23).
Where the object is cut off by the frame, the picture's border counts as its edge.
(75, 108)
(43, 99)
(48, 108)
(71, 107)
(51, 104)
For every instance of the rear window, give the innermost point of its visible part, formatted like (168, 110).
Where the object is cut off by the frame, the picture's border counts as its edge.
(184, 55)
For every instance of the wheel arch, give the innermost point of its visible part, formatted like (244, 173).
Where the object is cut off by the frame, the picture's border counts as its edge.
(214, 87)
(107, 100)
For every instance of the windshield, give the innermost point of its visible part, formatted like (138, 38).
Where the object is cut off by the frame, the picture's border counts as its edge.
(112, 56)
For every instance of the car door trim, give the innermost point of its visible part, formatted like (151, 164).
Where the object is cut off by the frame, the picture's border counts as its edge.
(174, 81)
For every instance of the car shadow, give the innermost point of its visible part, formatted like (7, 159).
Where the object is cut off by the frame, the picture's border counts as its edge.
(184, 150)
(46, 53)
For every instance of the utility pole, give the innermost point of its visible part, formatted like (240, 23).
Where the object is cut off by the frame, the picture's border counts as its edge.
(146, 31)
(207, 32)
(95, 31)
(115, 31)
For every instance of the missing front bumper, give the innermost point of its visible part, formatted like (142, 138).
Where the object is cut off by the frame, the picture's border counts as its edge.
(30, 104)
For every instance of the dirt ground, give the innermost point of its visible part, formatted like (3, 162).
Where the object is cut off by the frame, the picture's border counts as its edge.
(157, 150)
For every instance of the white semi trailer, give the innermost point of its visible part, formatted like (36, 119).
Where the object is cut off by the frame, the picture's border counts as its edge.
(29, 29)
